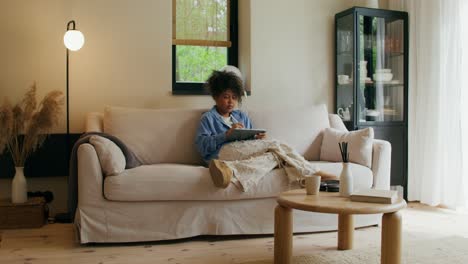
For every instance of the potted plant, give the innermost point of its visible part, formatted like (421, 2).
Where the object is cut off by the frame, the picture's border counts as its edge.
(23, 128)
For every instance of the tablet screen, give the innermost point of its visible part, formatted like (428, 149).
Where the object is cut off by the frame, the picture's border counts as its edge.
(244, 134)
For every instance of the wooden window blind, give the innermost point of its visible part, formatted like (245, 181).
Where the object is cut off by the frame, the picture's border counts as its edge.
(201, 23)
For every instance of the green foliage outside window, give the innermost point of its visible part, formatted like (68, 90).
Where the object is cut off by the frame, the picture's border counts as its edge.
(195, 63)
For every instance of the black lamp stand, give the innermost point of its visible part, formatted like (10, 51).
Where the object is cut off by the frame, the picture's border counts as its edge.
(67, 217)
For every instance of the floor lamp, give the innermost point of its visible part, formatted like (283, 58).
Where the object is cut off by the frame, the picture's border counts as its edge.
(73, 40)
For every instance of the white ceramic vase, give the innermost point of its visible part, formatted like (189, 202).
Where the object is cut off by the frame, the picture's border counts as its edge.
(346, 181)
(19, 187)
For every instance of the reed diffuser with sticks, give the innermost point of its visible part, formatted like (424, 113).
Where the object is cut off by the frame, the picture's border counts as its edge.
(346, 178)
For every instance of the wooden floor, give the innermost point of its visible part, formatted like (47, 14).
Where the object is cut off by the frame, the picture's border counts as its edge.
(56, 243)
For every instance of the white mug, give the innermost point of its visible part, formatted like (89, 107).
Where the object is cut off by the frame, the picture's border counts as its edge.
(344, 113)
(312, 184)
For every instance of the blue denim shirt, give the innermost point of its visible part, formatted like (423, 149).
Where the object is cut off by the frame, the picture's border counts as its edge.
(211, 133)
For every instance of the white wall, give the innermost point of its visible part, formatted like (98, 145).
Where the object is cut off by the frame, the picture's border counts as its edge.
(286, 54)
(31, 47)
(292, 51)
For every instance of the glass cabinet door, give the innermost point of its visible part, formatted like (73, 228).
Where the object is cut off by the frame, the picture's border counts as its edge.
(371, 75)
(380, 92)
(345, 64)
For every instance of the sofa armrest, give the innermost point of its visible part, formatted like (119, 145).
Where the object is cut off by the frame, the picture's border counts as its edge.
(91, 210)
(90, 177)
(381, 163)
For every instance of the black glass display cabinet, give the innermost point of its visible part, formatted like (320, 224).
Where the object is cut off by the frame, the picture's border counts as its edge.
(371, 78)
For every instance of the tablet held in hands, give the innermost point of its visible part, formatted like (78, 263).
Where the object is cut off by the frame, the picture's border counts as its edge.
(244, 134)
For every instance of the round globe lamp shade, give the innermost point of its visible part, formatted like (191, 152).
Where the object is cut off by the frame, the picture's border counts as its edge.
(73, 40)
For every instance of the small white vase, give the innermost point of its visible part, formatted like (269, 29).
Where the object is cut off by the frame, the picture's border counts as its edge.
(346, 181)
(19, 187)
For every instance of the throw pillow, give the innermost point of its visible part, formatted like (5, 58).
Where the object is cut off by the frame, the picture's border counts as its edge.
(359, 145)
(110, 155)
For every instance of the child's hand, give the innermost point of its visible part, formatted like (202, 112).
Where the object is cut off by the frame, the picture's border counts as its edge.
(234, 126)
(260, 136)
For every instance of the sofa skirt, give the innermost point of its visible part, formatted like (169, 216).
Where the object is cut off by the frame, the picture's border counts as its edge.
(109, 221)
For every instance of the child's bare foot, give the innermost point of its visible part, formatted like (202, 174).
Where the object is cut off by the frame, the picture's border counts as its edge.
(221, 174)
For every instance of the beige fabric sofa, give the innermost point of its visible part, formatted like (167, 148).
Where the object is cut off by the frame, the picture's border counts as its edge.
(171, 196)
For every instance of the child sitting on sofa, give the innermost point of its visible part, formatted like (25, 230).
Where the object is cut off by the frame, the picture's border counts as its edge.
(242, 162)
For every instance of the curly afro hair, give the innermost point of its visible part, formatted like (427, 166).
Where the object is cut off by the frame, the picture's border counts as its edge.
(221, 81)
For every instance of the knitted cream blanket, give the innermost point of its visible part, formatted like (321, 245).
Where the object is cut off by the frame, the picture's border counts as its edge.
(251, 160)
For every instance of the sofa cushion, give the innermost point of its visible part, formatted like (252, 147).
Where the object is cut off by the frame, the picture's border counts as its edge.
(110, 155)
(183, 182)
(336, 122)
(360, 145)
(167, 182)
(299, 127)
(167, 135)
(156, 135)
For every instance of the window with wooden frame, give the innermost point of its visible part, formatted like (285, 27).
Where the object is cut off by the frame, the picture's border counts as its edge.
(204, 38)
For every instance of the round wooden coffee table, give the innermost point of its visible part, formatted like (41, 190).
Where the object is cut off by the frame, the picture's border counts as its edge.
(332, 203)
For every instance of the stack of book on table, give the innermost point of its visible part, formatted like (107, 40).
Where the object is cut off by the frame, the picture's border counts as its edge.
(375, 196)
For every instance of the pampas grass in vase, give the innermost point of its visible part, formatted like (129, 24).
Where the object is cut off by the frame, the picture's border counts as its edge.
(23, 129)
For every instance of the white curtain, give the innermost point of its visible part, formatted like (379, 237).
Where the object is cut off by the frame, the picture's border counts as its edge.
(464, 96)
(438, 78)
